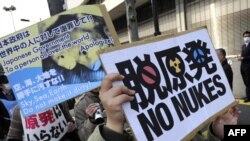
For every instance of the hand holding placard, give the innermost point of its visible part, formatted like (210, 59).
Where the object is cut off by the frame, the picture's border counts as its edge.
(230, 117)
(178, 83)
(112, 99)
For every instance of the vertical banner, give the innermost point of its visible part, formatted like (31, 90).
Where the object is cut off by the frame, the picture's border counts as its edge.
(49, 125)
(55, 60)
(179, 84)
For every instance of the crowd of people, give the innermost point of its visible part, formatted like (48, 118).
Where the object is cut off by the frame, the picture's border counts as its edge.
(99, 115)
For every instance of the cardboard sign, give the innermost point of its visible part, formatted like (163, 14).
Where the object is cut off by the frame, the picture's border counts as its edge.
(49, 125)
(56, 59)
(179, 84)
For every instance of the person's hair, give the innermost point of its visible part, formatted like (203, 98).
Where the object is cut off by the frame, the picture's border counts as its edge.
(222, 51)
(246, 32)
(3, 79)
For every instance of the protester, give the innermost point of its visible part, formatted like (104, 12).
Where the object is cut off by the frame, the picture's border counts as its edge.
(7, 102)
(85, 111)
(221, 53)
(245, 63)
(5, 89)
(16, 131)
(112, 98)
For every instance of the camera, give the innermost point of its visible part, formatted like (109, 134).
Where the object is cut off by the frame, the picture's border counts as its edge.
(98, 116)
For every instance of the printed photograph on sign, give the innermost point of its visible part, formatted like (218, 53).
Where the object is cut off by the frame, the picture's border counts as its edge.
(78, 61)
(179, 84)
(56, 59)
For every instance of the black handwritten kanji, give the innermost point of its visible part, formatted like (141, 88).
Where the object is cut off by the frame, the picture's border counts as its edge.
(198, 57)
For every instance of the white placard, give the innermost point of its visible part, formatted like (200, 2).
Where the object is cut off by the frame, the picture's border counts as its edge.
(179, 84)
(49, 125)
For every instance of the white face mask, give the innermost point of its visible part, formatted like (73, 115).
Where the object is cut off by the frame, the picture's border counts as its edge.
(246, 40)
(7, 86)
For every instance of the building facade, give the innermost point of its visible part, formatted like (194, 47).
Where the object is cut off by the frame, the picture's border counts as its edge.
(225, 20)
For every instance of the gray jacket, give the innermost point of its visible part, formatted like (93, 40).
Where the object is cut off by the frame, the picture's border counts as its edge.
(84, 126)
(102, 133)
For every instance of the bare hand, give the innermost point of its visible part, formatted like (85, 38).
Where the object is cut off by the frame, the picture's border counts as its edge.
(112, 99)
(91, 109)
(228, 118)
(71, 126)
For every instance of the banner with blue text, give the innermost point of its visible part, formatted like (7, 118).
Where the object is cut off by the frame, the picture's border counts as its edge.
(55, 60)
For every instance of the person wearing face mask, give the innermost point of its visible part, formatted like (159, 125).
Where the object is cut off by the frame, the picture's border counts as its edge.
(7, 103)
(245, 63)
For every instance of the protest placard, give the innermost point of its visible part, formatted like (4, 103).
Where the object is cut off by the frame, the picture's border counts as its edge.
(55, 60)
(49, 125)
(179, 84)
